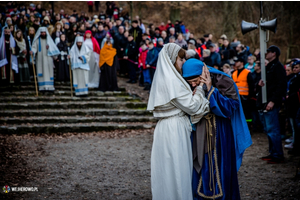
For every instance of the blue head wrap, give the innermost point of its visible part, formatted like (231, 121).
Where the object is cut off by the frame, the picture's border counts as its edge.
(242, 137)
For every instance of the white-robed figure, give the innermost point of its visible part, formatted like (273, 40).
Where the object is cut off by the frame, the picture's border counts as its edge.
(44, 48)
(94, 73)
(80, 56)
(8, 59)
(171, 100)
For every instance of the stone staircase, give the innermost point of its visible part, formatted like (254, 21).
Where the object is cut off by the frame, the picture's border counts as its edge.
(22, 112)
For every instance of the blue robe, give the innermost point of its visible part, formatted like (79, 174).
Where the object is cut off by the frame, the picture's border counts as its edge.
(225, 171)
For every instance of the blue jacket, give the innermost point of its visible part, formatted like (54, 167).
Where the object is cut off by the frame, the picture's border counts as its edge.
(152, 57)
(215, 58)
(183, 29)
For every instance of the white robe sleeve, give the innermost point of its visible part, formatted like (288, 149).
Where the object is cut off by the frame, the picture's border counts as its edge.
(34, 47)
(86, 57)
(195, 105)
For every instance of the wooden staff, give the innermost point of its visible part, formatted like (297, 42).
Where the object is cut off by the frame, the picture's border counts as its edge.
(70, 73)
(36, 90)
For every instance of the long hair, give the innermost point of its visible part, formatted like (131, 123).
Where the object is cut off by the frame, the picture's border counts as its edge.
(50, 29)
(21, 38)
(181, 54)
(55, 29)
(31, 28)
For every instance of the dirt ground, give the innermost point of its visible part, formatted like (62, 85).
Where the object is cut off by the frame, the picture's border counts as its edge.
(116, 165)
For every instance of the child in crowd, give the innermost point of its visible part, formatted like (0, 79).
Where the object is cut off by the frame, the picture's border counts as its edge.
(151, 61)
(142, 62)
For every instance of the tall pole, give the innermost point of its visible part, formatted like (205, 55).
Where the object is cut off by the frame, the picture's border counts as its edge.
(263, 51)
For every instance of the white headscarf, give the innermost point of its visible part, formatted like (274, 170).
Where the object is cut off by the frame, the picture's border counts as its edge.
(3, 60)
(53, 50)
(75, 53)
(168, 83)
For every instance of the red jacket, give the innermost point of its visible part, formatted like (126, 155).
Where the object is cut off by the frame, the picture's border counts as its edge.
(162, 28)
(142, 58)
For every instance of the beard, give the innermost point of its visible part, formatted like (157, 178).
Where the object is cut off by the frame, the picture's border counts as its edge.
(79, 47)
(7, 37)
(43, 36)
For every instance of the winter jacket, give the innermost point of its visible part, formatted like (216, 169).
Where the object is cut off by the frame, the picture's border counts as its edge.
(276, 84)
(120, 43)
(215, 58)
(177, 28)
(100, 35)
(137, 34)
(293, 93)
(183, 29)
(181, 43)
(142, 58)
(152, 57)
(243, 55)
(131, 51)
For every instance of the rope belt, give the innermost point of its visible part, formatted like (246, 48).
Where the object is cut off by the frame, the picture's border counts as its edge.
(209, 137)
(210, 127)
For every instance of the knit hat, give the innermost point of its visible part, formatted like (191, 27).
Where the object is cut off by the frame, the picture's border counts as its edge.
(275, 49)
(192, 42)
(239, 59)
(191, 52)
(295, 63)
(160, 40)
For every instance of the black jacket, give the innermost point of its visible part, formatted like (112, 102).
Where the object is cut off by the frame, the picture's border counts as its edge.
(131, 51)
(243, 55)
(293, 93)
(276, 84)
(137, 34)
(120, 42)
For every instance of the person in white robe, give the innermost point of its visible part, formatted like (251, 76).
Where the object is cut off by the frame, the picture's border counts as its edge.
(44, 49)
(172, 100)
(8, 59)
(94, 73)
(80, 55)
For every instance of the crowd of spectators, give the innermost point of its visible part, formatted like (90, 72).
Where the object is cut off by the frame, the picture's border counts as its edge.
(138, 46)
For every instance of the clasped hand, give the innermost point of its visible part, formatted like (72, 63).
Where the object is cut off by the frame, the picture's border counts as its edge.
(205, 77)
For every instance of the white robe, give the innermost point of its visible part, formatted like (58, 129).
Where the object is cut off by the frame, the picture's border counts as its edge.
(80, 68)
(44, 66)
(94, 73)
(171, 157)
(171, 100)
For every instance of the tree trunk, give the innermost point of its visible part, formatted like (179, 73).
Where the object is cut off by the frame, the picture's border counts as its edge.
(175, 11)
(131, 10)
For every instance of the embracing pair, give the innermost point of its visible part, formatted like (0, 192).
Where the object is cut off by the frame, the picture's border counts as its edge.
(201, 134)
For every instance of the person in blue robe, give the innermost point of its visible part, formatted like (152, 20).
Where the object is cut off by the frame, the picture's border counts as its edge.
(220, 138)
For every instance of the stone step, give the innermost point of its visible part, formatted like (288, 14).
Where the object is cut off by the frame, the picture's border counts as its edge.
(64, 93)
(71, 105)
(74, 112)
(32, 87)
(73, 119)
(13, 99)
(72, 127)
